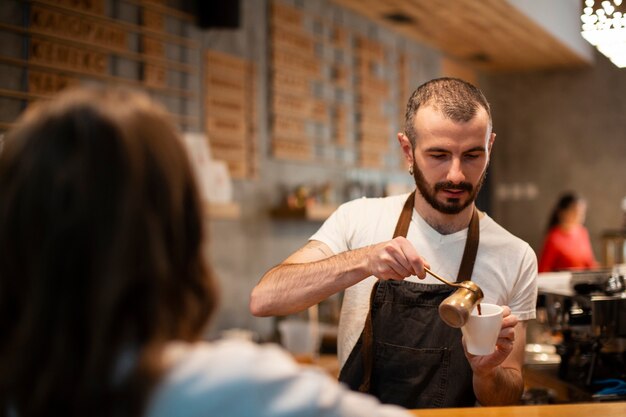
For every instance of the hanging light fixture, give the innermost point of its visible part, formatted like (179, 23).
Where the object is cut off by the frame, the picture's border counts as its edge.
(604, 26)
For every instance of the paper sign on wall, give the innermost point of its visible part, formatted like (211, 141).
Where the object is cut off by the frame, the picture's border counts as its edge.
(213, 177)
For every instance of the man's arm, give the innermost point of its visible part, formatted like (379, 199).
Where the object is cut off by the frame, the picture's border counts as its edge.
(314, 273)
(305, 278)
(498, 377)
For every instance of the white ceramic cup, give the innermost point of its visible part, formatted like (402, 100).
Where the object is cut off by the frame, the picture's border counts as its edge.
(301, 338)
(481, 331)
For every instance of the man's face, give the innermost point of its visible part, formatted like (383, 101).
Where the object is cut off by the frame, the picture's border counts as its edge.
(450, 159)
(451, 205)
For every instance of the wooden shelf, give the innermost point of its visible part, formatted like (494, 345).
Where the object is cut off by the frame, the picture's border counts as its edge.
(314, 212)
(222, 211)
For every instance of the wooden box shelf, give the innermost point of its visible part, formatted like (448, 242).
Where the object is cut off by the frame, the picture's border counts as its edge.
(313, 212)
(222, 211)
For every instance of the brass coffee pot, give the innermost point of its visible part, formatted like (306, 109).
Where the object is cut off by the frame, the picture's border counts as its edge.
(456, 309)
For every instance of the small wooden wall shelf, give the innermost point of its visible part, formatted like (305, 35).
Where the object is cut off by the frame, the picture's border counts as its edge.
(313, 212)
(222, 211)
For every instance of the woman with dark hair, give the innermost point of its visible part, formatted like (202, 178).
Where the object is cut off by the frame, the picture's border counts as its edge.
(104, 288)
(567, 244)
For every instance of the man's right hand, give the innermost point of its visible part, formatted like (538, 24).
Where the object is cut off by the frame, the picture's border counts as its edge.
(314, 273)
(395, 259)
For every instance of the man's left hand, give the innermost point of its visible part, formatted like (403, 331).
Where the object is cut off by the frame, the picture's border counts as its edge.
(504, 346)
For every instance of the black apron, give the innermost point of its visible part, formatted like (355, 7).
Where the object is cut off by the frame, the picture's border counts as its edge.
(406, 355)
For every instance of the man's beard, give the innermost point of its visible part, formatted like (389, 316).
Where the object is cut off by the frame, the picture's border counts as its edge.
(451, 205)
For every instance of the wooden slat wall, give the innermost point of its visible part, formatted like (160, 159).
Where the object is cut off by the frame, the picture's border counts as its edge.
(70, 43)
(230, 112)
(294, 67)
(373, 92)
(327, 104)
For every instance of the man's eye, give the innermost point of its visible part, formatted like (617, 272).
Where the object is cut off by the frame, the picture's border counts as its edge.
(438, 155)
(472, 156)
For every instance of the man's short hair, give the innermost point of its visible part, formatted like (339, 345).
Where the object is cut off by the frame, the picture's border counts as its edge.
(456, 99)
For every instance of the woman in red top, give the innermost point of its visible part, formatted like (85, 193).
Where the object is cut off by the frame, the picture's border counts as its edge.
(567, 244)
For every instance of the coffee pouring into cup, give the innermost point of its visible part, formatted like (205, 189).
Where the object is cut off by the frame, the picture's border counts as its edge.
(456, 309)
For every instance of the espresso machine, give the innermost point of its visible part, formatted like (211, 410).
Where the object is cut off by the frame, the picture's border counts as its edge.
(588, 310)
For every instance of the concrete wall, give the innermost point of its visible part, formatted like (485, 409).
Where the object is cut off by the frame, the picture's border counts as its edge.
(558, 131)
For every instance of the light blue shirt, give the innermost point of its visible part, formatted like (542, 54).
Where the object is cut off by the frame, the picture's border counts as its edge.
(235, 378)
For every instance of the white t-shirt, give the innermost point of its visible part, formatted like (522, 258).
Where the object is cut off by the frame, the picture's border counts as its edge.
(505, 268)
(234, 378)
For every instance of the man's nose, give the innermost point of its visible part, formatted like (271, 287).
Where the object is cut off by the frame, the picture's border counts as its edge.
(455, 173)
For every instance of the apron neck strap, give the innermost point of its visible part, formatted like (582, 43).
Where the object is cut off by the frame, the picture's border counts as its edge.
(402, 227)
(471, 248)
(471, 243)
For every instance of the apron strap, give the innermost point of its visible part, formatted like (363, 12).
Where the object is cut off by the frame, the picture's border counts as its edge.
(470, 251)
(465, 274)
(402, 227)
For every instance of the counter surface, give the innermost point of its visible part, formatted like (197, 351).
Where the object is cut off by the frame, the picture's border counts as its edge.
(608, 409)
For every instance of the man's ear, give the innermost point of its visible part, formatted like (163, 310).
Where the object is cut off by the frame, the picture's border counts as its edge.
(407, 148)
(492, 138)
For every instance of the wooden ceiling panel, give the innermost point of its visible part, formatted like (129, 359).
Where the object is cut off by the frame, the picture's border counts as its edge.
(491, 35)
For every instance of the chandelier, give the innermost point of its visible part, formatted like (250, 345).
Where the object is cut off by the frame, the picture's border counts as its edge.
(604, 26)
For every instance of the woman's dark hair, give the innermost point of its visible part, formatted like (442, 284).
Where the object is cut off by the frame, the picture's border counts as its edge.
(101, 255)
(565, 201)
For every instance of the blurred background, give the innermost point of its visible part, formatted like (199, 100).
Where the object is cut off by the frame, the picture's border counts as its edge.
(291, 107)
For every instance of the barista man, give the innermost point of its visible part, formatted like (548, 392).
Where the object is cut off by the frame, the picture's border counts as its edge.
(391, 340)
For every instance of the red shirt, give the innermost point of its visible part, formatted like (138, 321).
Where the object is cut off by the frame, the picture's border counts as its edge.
(567, 249)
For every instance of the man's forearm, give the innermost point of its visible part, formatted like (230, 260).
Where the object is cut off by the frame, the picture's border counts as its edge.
(289, 288)
(501, 386)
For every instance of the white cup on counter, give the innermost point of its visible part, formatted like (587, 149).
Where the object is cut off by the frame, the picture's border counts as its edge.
(301, 338)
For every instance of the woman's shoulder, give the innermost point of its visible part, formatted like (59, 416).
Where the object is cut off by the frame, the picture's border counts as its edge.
(227, 359)
(242, 379)
(206, 376)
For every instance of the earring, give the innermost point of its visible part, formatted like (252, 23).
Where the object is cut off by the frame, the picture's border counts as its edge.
(411, 170)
